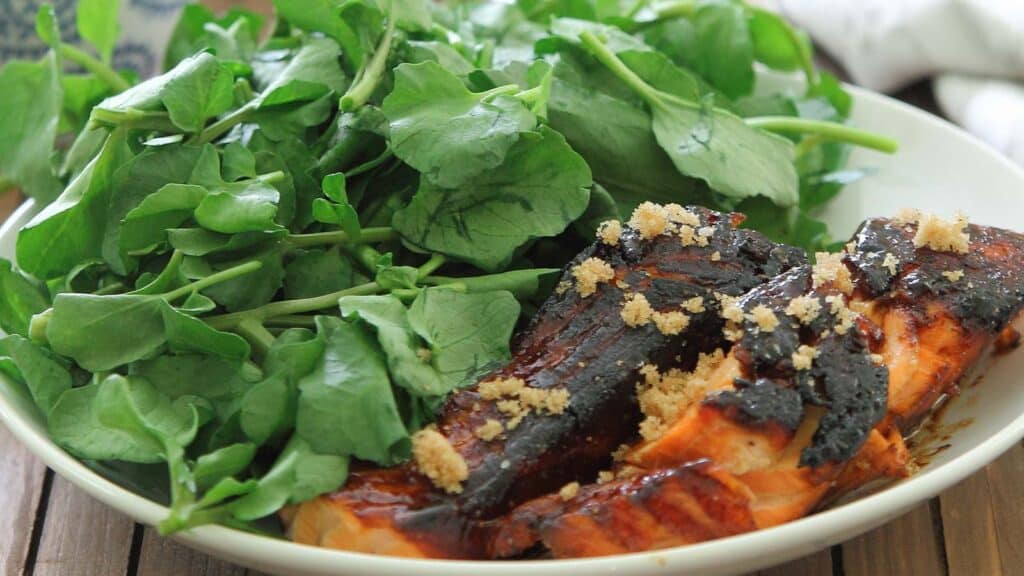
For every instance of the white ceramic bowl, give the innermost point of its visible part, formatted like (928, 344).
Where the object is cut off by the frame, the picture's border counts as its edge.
(939, 168)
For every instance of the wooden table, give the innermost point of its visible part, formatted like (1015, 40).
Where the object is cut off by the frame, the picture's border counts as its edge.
(49, 527)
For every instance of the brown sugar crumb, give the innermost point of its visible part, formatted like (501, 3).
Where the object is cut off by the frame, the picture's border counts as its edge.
(703, 234)
(489, 430)
(499, 387)
(907, 216)
(605, 476)
(830, 268)
(636, 311)
(844, 316)
(732, 332)
(687, 235)
(804, 308)
(663, 396)
(437, 459)
(628, 471)
(716, 256)
(679, 215)
(694, 305)
(649, 219)
(851, 247)
(563, 287)
(424, 354)
(804, 357)
(877, 359)
(620, 453)
(670, 323)
(569, 491)
(891, 262)
(731, 310)
(942, 235)
(609, 232)
(590, 273)
(953, 275)
(764, 318)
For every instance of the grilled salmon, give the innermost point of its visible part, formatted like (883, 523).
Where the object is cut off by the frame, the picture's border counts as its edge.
(832, 366)
(644, 293)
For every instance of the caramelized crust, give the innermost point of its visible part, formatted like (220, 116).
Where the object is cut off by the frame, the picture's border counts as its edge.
(579, 344)
(794, 438)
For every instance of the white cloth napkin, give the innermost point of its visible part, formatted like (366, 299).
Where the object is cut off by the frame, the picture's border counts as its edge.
(973, 50)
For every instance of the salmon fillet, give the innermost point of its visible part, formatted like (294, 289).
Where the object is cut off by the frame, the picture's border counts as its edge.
(803, 410)
(584, 345)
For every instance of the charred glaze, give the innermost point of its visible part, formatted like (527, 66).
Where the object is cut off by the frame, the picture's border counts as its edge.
(842, 378)
(761, 402)
(986, 298)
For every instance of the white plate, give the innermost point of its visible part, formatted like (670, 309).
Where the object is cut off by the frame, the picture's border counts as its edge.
(939, 168)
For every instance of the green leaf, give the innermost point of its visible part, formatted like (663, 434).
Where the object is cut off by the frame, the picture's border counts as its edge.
(726, 56)
(254, 289)
(396, 277)
(324, 16)
(417, 51)
(412, 15)
(220, 381)
(468, 334)
(345, 404)
(773, 41)
(616, 139)
(47, 27)
(233, 207)
(31, 101)
(198, 242)
(539, 190)
(268, 409)
(197, 89)
(340, 211)
(602, 208)
(294, 354)
(45, 378)
(170, 206)
(206, 92)
(447, 132)
(407, 356)
(22, 299)
(317, 272)
(225, 462)
(735, 159)
(299, 474)
(232, 37)
(135, 407)
(312, 73)
(97, 22)
(74, 426)
(238, 162)
(103, 332)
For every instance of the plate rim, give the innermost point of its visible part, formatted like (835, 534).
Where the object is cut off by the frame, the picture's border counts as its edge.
(781, 543)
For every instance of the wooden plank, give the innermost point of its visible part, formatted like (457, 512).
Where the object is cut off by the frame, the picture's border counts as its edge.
(819, 564)
(8, 202)
(1006, 482)
(21, 485)
(907, 545)
(82, 536)
(164, 557)
(969, 528)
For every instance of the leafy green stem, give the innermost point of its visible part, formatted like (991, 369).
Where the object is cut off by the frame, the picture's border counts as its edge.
(499, 91)
(160, 121)
(212, 279)
(112, 288)
(431, 266)
(108, 75)
(827, 130)
(290, 307)
(369, 236)
(365, 167)
(368, 78)
(259, 337)
(607, 57)
(224, 124)
(293, 321)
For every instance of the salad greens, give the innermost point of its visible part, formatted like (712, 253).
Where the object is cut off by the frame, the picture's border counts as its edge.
(284, 252)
